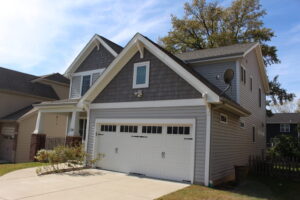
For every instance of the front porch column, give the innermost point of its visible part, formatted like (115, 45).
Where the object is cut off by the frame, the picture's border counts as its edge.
(73, 138)
(38, 137)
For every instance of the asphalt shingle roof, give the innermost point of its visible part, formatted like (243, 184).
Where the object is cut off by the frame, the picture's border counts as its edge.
(11, 80)
(117, 48)
(219, 52)
(290, 118)
(19, 113)
(57, 77)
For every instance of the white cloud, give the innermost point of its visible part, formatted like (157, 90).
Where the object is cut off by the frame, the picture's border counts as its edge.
(44, 36)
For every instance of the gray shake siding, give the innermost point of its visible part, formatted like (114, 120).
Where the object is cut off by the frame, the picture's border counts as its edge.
(97, 59)
(214, 73)
(164, 83)
(199, 113)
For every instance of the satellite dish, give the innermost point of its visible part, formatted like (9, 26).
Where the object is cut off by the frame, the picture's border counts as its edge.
(228, 76)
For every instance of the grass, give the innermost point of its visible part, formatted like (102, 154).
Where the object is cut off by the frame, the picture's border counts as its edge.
(6, 168)
(254, 188)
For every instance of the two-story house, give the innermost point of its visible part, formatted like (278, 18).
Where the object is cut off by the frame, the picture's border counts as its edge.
(166, 116)
(282, 124)
(18, 91)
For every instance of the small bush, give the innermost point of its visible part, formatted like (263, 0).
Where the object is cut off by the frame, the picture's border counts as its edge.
(64, 158)
(286, 146)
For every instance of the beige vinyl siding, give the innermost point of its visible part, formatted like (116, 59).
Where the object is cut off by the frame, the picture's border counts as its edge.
(250, 101)
(230, 144)
(54, 126)
(10, 102)
(199, 113)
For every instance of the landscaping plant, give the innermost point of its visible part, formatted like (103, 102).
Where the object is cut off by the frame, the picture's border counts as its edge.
(64, 158)
(286, 146)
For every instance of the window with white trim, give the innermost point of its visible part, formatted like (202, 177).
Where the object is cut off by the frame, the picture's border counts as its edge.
(223, 118)
(108, 128)
(285, 128)
(141, 75)
(128, 129)
(242, 124)
(152, 129)
(85, 84)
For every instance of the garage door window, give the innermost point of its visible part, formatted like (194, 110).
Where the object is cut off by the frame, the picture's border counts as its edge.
(152, 129)
(178, 130)
(128, 129)
(108, 128)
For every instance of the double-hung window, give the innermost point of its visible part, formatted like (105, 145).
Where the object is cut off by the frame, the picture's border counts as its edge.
(85, 84)
(285, 128)
(141, 75)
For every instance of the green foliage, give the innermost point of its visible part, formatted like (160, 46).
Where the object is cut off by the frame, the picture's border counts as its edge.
(64, 157)
(285, 146)
(207, 25)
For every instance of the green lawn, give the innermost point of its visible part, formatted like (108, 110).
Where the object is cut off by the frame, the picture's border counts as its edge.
(6, 168)
(254, 188)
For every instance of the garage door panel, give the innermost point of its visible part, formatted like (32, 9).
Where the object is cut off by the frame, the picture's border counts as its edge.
(151, 150)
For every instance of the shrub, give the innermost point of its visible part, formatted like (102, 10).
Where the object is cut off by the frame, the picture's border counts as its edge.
(63, 158)
(285, 146)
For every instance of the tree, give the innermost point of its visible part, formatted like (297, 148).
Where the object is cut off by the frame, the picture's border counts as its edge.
(285, 146)
(207, 25)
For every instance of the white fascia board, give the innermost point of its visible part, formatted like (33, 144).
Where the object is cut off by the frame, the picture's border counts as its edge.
(90, 72)
(127, 53)
(86, 51)
(149, 104)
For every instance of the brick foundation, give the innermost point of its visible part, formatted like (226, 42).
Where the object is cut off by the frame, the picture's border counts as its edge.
(37, 142)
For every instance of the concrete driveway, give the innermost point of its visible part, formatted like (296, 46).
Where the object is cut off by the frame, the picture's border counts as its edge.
(87, 184)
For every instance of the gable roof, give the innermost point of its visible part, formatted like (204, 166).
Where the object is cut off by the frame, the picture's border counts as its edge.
(96, 40)
(130, 49)
(289, 118)
(14, 81)
(17, 114)
(218, 52)
(56, 77)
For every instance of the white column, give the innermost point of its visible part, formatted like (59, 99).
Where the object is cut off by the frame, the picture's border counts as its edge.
(73, 129)
(39, 124)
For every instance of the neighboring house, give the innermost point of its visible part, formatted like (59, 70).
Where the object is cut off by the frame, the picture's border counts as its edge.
(282, 124)
(162, 115)
(18, 91)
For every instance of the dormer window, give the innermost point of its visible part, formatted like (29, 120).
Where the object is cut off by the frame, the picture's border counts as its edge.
(85, 84)
(141, 75)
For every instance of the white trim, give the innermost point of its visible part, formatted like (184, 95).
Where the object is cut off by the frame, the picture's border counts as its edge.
(242, 121)
(127, 53)
(89, 72)
(207, 145)
(238, 81)
(223, 115)
(135, 67)
(250, 49)
(86, 51)
(162, 121)
(150, 104)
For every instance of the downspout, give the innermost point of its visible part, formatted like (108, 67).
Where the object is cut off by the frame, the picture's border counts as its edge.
(207, 145)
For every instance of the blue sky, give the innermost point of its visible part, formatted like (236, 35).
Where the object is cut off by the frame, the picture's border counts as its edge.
(44, 36)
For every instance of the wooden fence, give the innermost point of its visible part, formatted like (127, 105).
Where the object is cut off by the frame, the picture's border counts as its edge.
(275, 167)
(52, 142)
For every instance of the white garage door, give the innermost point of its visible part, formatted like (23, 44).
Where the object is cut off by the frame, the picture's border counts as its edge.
(155, 148)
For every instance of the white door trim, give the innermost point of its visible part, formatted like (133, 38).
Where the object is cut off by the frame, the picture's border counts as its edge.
(150, 104)
(163, 121)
